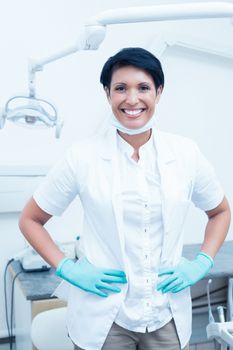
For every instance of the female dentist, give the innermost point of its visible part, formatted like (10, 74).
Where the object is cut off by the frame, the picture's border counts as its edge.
(130, 290)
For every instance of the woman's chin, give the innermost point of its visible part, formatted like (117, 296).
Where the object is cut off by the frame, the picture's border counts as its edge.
(134, 125)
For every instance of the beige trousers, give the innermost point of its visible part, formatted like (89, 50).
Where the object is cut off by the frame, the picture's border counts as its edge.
(165, 338)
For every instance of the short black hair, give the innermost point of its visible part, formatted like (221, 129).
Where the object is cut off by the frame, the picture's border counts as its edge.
(133, 56)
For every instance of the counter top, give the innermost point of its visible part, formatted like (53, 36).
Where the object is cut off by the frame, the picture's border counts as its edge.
(40, 285)
(36, 285)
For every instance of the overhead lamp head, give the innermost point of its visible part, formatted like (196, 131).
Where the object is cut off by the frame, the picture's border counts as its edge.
(31, 112)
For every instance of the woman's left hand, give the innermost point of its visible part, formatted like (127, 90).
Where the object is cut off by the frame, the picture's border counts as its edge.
(185, 274)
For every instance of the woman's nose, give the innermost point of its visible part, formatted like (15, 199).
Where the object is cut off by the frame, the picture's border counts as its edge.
(132, 97)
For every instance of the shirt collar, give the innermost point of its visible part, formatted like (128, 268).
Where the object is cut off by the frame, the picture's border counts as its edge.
(107, 144)
(126, 148)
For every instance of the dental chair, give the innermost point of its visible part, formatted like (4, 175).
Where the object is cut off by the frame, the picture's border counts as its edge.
(48, 330)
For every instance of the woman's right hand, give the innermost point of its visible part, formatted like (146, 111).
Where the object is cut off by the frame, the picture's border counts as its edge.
(86, 276)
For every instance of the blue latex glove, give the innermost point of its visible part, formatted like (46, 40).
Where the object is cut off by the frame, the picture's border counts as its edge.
(185, 274)
(86, 276)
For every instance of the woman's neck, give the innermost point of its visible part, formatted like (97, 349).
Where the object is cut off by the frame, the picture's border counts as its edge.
(136, 141)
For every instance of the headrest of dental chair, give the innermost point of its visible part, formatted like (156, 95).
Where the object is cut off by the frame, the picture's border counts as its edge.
(48, 330)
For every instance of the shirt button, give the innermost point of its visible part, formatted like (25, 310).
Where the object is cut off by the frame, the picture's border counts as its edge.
(146, 205)
(145, 230)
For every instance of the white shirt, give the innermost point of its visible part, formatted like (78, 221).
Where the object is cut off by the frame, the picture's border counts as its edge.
(144, 307)
(91, 171)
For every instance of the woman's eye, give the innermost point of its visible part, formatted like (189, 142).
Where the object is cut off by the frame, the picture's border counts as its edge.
(120, 88)
(144, 88)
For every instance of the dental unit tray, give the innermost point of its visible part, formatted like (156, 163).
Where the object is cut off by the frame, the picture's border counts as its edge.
(221, 331)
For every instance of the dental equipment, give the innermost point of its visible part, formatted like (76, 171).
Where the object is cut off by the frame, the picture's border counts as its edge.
(29, 111)
(94, 30)
(230, 300)
(221, 331)
(91, 37)
(197, 45)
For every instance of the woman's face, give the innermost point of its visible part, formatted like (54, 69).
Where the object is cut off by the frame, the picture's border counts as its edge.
(132, 96)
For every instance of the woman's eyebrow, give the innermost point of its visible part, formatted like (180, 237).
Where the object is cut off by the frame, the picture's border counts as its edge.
(144, 82)
(139, 83)
(119, 82)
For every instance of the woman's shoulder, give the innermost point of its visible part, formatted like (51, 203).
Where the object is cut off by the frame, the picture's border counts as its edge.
(176, 140)
(182, 147)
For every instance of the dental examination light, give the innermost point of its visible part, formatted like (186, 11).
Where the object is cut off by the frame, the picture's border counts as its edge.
(32, 112)
(38, 112)
(29, 111)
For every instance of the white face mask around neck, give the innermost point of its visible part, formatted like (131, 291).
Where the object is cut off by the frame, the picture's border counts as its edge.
(115, 122)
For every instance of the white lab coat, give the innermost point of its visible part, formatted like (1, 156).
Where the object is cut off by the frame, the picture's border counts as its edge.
(91, 171)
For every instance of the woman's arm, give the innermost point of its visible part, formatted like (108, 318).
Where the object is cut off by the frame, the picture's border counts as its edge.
(187, 272)
(83, 274)
(31, 224)
(216, 228)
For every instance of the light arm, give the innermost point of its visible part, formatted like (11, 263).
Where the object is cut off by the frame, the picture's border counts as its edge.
(164, 13)
(95, 28)
(89, 39)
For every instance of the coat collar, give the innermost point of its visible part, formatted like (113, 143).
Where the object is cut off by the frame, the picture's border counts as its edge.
(163, 146)
(108, 145)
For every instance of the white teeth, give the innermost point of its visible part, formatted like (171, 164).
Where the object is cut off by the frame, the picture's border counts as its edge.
(133, 112)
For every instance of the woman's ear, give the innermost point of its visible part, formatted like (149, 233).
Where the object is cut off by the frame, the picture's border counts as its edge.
(107, 91)
(158, 93)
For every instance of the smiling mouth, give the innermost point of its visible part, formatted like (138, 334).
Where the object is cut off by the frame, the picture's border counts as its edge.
(133, 112)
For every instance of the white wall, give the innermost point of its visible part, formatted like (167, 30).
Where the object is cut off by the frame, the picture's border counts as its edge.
(197, 100)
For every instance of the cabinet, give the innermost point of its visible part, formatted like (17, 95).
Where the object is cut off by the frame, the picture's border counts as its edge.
(32, 295)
